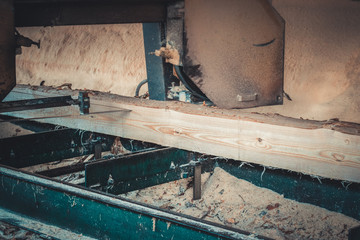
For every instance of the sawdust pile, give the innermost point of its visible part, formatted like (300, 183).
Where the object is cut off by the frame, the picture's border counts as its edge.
(240, 204)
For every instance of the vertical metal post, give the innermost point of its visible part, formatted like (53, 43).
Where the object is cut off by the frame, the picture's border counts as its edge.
(197, 182)
(7, 48)
(97, 154)
(175, 27)
(158, 72)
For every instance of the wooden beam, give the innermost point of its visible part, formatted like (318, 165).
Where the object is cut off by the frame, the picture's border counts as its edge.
(327, 149)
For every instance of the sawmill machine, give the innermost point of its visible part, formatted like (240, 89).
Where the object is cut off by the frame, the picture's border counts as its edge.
(227, 53)
(230, 53)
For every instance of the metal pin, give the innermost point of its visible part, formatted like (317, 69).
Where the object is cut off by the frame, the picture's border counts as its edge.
(97, 154)
(197, 182)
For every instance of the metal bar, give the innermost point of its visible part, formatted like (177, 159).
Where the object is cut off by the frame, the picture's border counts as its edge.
(97, 154)
(57, 13)
(136, 171)
(63, 170)
(158, 72)
(37, 148)
(7, 48)
(98, 215)
(38, 103)
(75, 168)
(62, 116)
(28, 124)
(141, 182)
(197, 182)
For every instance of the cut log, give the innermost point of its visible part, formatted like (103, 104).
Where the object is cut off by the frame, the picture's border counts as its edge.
(328, 149)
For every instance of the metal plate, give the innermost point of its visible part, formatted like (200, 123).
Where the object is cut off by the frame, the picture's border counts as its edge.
(7, 48)
(235, 51)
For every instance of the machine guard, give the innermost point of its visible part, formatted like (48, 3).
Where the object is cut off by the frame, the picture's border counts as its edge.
(234, 51)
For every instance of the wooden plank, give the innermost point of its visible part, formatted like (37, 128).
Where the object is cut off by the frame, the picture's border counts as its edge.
(327, 149)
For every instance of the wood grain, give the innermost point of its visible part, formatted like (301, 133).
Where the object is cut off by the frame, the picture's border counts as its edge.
(303, 146)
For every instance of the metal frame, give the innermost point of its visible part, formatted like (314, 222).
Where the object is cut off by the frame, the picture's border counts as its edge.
(30, 104)
(99, 215)
(141, 170)
(154, 15)
(65, 205)
(84, 12)
(43, 147)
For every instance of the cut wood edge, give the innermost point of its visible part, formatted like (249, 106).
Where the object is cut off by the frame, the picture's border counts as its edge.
(328, 149)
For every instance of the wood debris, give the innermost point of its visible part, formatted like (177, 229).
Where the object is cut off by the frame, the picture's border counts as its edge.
(242, 205)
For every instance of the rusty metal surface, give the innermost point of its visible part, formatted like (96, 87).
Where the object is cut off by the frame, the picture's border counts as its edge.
(235, 51)
(7, 48)
(175, 28)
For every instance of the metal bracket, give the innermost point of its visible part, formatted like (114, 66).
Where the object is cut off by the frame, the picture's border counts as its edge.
(247, 98)
(84, 102)
(197, 181)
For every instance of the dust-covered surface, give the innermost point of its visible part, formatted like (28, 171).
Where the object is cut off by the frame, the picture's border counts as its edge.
(322, 59)
(8, 129)
(108, 58)
(243, 59)
(240, 204)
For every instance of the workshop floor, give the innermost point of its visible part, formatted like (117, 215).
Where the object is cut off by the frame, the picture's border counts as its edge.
(237, 203)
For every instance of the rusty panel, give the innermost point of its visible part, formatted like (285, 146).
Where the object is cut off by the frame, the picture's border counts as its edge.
(7, 48)
(235, 51)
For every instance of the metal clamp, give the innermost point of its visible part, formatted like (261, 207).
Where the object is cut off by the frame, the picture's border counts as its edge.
(84, 102)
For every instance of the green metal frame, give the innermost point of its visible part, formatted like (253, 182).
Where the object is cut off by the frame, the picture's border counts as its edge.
(141, 170)
(99, 215)
(106, 216)
(43, 147)
(136, 170)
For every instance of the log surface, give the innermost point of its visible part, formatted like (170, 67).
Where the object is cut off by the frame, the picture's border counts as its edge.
(328, 149)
